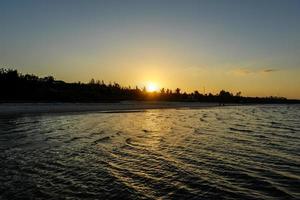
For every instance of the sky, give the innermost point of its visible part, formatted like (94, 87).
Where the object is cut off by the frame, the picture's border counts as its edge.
(252, 46)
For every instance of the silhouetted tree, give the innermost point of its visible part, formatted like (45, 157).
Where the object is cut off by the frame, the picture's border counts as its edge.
(92, 81)
(28, 87)
(238, 94)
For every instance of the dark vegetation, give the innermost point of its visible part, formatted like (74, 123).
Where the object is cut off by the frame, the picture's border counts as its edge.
(16, 87)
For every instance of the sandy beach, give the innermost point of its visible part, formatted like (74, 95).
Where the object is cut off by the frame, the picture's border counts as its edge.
(124, 106)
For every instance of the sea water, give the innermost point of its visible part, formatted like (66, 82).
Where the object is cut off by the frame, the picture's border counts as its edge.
(234, 152)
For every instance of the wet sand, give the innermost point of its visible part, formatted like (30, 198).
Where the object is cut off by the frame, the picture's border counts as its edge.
(124, 106)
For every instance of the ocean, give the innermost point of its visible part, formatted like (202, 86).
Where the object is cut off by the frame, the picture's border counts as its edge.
(230, 152)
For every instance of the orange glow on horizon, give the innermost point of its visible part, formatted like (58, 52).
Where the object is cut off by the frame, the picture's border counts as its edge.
(152, 87)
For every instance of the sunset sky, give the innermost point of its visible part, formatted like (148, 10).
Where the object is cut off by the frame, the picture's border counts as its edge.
(248, 46)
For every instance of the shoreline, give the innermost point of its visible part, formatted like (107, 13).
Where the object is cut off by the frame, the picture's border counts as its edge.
(123, 106)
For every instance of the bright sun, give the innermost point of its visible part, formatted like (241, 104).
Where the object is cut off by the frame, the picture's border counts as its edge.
(152, 87)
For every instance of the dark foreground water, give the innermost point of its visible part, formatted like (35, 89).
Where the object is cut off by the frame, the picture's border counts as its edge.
(246, 152)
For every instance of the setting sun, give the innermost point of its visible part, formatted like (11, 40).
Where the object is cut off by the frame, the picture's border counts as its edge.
(140, 99)
(152, 87)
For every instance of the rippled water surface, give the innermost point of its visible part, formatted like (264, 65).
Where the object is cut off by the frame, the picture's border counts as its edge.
(244, 152)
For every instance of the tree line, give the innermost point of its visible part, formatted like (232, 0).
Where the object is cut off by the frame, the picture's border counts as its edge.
(16, 87)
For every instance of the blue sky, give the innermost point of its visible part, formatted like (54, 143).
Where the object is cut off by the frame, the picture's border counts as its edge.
(249, 46)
